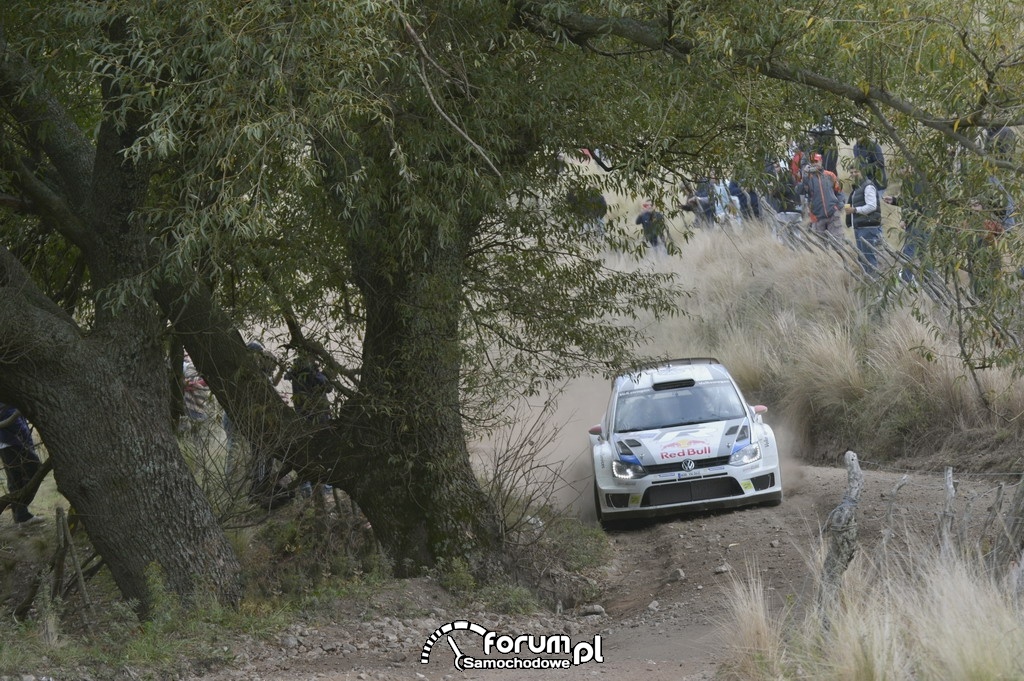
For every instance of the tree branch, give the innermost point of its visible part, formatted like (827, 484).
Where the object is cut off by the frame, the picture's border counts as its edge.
(49, 204)
(33, 106)
(650, 35)
(585, 27)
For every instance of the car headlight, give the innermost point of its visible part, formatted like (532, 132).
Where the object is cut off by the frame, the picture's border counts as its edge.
(627, 471)
(748, 454)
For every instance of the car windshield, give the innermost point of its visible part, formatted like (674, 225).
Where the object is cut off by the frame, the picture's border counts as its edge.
(653, 409)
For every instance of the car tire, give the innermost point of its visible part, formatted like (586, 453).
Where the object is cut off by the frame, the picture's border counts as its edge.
(597, 505)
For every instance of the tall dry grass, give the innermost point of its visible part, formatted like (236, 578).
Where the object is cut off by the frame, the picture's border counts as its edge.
(834, 365)
(918, 616)
(837, 367)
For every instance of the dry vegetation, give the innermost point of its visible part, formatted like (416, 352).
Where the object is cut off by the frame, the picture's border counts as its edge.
(847, 369)
(913, 615)
(852, 371)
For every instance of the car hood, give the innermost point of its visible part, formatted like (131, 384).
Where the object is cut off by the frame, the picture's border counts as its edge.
(673, 445)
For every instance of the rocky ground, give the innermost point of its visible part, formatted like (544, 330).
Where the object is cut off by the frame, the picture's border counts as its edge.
(661, 613)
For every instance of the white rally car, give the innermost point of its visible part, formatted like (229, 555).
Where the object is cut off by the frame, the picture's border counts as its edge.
(677, 437)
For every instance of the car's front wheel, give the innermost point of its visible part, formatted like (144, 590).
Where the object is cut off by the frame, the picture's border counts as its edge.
(597, 504)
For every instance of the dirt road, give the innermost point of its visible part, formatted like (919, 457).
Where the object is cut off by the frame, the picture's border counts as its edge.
(661, 613)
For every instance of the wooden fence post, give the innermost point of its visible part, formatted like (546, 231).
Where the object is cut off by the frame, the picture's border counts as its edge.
(890, 512)
(1007, 557)
(841, 526)
(948, 516)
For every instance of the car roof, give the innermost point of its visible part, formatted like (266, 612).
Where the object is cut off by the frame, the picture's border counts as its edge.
(673, 371)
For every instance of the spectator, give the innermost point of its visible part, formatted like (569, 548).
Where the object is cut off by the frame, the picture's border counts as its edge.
(598, 157)
(653, 223)
(797, 161)
(823, 142)
(589, 205)
(267, 487)
(21, 462)
(702, 204)
(837, 187)
(994, 210)
(912, 210)
(782, 194)
(1001, 142)
(866, 219)
(269, 366)
(783, 199)
(196, 392)
(724, 206)
(824, 204)
(868, 154)
(753, 204)
(310, 388)
(196, 397)
(749, 205)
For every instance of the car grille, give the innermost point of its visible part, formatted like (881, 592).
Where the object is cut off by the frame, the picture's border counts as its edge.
(762, 482)
(678, 465)
(697, 490)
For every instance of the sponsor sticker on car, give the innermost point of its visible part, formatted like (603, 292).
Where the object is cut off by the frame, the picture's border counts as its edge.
(683, 448)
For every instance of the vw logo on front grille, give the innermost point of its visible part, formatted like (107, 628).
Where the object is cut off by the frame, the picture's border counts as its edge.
(688, 464)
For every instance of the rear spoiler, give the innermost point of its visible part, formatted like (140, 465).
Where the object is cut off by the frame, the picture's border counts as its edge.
(682, 361)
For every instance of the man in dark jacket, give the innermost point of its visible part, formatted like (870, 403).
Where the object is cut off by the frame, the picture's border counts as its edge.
(653, 223)
(868, 156)
(866, 218)
(19, 456)
(823, 141)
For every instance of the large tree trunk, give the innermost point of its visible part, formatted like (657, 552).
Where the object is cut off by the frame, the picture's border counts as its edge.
(101, 405)
(117, 461)
(418, 487)
(398, 448)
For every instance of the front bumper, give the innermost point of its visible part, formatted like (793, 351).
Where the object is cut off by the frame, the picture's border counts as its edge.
(666, 495)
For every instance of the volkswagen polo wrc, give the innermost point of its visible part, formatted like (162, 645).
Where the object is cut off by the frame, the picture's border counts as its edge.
(677, 437)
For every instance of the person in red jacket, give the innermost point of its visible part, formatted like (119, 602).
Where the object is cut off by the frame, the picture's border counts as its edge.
(824, 203)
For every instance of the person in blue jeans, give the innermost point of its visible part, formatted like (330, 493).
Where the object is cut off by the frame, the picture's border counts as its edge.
(21, 463)
(865, 214)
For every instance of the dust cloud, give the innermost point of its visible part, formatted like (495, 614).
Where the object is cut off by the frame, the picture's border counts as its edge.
(556, 426)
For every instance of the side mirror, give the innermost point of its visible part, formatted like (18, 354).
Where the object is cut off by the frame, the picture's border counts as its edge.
(760, 409)
(595, 430)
